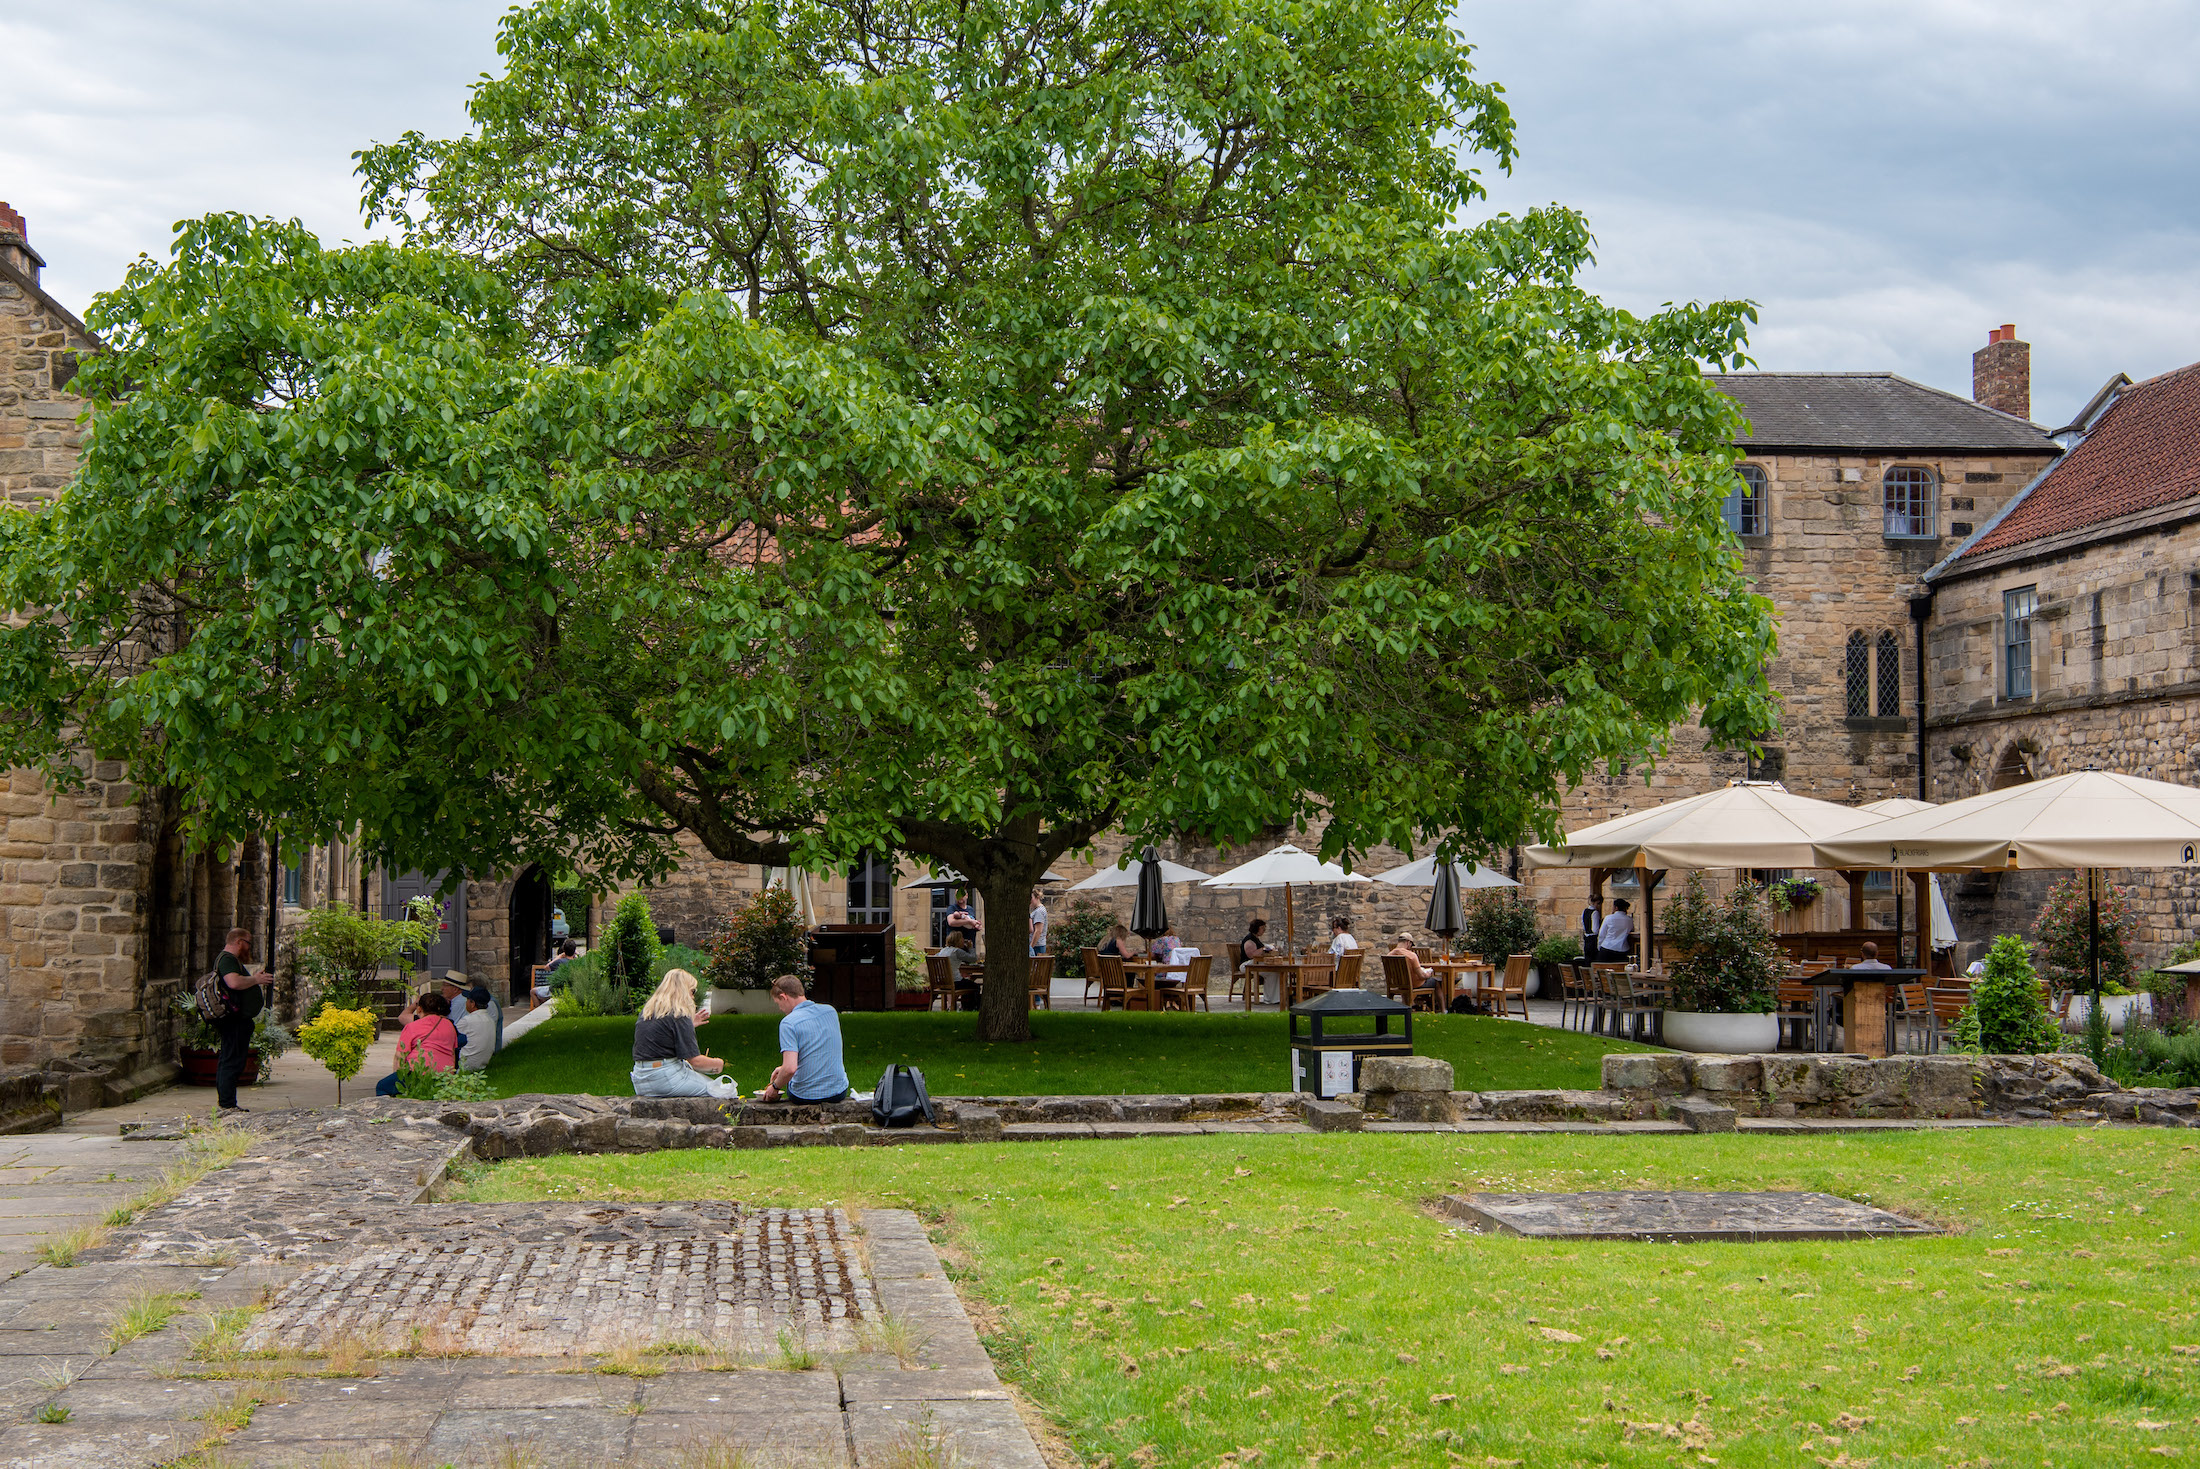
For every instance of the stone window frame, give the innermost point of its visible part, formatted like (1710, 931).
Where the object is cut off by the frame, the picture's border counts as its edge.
(1745, 505)
(1909, 496)
(2019, 609)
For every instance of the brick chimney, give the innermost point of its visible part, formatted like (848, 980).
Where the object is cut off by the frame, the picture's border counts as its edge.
(2001, 373)
(15, 244)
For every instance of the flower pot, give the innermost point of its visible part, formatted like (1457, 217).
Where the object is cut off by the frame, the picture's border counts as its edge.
(198, 1066)
(913, 999)
(1722, 1035)
(741, 1002)
(2117, 1008)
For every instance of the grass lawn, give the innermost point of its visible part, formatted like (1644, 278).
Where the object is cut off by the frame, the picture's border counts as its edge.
(1072, 1052)
(1280, 1300)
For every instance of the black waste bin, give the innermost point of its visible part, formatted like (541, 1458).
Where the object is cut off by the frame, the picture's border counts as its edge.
(1333, 1033)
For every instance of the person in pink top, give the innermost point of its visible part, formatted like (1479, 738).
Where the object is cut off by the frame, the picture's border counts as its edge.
(429, 1039)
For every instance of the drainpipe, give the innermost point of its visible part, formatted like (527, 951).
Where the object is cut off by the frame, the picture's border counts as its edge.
(1921, 608)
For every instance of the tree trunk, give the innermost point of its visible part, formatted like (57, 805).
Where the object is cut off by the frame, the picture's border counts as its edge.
(1004, 1009)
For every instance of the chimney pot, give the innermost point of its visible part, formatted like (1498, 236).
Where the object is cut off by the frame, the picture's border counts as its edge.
(2001, 373)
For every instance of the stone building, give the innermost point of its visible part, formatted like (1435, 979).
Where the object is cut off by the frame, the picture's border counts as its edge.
(2065, 635)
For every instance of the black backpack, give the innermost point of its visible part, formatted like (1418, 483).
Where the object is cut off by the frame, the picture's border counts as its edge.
(901, 1098)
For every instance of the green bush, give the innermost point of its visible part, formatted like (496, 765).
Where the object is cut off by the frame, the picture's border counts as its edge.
(341, 952)
(2063, 933)
(418, 1082)
(1084, 925)
(909, 973)
(583, 988)
(2007, 1015)
(631, 953)
(1559, 948)
(1731, 960)
(2145, 1056)
(1500, 923)
(763, 940)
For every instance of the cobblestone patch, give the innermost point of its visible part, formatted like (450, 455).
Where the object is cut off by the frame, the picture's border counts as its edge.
(735, 1283)
(1643, 1214)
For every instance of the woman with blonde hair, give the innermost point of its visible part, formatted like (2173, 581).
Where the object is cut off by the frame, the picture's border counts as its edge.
(668, 1061)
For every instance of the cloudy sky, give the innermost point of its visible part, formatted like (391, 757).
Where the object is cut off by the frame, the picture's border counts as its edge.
(1888, 179)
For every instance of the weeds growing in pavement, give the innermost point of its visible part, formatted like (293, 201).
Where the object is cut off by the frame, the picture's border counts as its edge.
(679, 1346)
(61, 1250)
(348, 1354)
(53, 1413)
(56, 1377)
(143, 1314)
(795, 1353)
(220, 1333)
(712, 1454)
(890, 1331)
(626, 1360)
(234, 1412)
(921, 1446)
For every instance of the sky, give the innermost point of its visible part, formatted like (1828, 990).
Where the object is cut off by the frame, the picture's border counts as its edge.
(1887, 179)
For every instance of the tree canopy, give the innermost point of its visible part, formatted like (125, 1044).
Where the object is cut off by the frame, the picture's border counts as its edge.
(953, 428)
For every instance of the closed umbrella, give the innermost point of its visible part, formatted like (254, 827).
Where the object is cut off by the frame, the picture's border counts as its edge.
(1150, 911)
(1446, 914)
(1285, 867)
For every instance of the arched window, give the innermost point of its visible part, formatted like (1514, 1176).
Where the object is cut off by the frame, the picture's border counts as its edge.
(1909, 491)
(1745, 503)
(1890, 676)
(1859, 676)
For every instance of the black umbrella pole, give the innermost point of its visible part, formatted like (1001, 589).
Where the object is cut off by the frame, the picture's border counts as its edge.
(2093, 932)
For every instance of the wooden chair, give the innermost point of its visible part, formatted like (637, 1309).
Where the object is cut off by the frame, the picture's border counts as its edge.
(1092, 971)
(1180, 997)
(1604, 982)
(1947, 1003)
(941, 976)
(1641, 998)
(1796, 1005)
(1397, 978)
(1307, 983)
(1042, 981)
(1115, 986)
(1512, 984)
(1909, 1016)
(1576, 995)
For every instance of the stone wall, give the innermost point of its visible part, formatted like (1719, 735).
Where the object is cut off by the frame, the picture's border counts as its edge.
(2116, 686)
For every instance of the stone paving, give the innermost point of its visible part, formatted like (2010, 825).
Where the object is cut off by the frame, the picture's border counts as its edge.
(54, 1182)
(544, 1335)
(1647, 1214)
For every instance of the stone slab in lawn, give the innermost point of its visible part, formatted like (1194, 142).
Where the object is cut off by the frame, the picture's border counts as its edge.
(1652, 1215)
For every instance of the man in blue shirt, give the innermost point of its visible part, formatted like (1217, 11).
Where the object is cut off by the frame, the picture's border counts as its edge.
(809, 1048)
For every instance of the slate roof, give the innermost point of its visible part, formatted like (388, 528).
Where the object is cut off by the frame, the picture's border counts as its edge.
(1870, 412)
(2143, 454)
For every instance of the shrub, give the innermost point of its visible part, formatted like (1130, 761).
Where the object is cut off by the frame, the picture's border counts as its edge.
(1732, 961)
(583, 989)
(909, 965)
(632, 952)
(2062, 930)
(1500, 922)
(422, 1084)
(764, 938)
(2145, 1056)
(1084, 925)
(338, 1039)
(196, 1033)
(2007, 1015)
(1559, 948)
(341, 952)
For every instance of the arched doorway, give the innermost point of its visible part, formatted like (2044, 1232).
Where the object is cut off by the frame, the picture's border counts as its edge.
(528, 922)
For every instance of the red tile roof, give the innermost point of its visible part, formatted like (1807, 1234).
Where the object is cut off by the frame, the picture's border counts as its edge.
(2143, 454)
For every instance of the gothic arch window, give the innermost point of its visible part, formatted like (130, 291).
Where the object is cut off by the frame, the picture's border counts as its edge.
(1889, 685)
(1745, 503)
(1909, 493)
(1859, 670)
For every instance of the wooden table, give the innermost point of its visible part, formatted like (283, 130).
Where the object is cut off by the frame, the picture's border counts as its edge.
(1864, 1004)
(1149, 972)
(1450, 971)
(1287, 972)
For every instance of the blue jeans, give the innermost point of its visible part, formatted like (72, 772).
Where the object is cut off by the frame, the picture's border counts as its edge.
(678, 1079)
(1037, 950)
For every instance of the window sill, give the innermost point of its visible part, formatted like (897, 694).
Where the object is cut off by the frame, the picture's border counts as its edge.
(1912, 540)
(1887, 725)
(2019, 699)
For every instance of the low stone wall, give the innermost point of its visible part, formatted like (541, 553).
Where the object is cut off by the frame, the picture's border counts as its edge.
(2060, 1085)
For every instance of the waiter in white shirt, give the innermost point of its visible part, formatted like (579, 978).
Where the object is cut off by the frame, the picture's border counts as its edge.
(1614, 938)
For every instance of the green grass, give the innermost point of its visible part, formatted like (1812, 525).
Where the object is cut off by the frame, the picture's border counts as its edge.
(1074, 1052)
(1286, 1299)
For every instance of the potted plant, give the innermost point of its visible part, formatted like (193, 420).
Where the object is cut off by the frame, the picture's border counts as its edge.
(912, 987)
(198, 1043)
(764, 938)
(1501, 923)
(2118, 1002)
(1552, 952)
(1723, 993)
(2066, 949)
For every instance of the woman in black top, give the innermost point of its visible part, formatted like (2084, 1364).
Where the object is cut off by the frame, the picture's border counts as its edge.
(1114, 945)
(668, 1060)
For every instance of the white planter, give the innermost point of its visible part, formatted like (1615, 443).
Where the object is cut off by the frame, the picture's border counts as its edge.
(1722, 1035)
(741, 1002)
(2118, 1008)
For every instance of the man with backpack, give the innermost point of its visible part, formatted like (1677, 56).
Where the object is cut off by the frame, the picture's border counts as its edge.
(809, 1068)
(242, 996)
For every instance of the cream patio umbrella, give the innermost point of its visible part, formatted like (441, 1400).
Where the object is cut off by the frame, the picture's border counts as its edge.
(1746, 824)
(1422, 874)
(1127, 877)
(1286, 867)
(2091, 819)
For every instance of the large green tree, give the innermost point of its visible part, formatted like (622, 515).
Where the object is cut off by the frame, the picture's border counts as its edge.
(959, 428)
